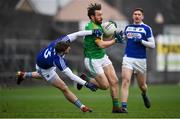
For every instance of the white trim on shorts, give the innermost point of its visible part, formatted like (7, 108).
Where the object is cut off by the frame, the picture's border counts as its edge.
(95, 66)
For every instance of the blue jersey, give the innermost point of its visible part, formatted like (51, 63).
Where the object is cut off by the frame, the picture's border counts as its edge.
(48, 57)
(140, 31)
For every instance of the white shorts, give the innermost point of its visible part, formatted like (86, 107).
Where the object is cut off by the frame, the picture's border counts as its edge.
(47, 74)
(136, 64)
(95, 66)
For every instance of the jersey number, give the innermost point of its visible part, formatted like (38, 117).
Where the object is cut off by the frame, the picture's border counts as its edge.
(47, 53)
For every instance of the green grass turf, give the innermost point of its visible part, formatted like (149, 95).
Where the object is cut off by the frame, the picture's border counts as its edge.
(35, 102)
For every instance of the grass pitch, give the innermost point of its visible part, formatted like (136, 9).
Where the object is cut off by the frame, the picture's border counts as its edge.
(40, 102)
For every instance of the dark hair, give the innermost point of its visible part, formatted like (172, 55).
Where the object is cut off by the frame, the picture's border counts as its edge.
(61, 46)
(139, 9)
(91, 9)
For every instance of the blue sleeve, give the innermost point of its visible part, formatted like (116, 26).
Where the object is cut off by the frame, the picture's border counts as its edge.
(125, 31)
(60, 63)
(149, 32)
(63, 38)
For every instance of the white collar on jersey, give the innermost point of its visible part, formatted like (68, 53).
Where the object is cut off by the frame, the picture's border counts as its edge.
(139, 23)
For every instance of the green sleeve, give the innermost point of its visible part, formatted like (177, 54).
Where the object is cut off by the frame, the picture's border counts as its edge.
(88, 27)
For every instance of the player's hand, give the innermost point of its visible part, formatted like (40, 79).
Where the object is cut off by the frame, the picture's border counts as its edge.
(115, 24)
(97, 32)
(118, 36)
(91, 86)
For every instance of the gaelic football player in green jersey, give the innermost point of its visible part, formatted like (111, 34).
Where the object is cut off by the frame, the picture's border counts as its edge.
(96, 61)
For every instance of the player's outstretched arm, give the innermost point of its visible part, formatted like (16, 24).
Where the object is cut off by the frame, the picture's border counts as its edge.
(104, 44)
(95, 32)
(77, 79)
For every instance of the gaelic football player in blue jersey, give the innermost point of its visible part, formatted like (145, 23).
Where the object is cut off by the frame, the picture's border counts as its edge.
(139, 36)
(53, 56)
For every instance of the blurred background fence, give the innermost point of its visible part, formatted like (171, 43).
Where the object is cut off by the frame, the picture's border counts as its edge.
(26, 26)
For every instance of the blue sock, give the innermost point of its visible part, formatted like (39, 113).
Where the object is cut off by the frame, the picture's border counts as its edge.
(28, 75)
(78, 103)
(124, 104)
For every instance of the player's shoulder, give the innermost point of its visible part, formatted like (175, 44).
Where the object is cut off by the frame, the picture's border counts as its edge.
(129, 27)
(146, 26)
(89, 26)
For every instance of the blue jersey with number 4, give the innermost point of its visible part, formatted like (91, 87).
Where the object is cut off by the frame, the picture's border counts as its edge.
(48, 57)
(136, 31)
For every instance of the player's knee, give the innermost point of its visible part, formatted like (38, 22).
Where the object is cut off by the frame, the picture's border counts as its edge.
(114, 83)
(125, 82)
(104, 86)
(64, 88)
(143, 87)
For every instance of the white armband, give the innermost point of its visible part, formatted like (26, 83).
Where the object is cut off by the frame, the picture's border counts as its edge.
(150, 43)
(74, 36)
(73, 77)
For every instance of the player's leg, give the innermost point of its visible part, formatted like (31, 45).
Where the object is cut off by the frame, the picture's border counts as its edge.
(114, 86)
(20, 76)
(126, 80)
(141, 79)
(127, 71)
(91, 79)
(88, 79)
(94, 66)
(141, 66)
(99, 80)
(51, 76)
(58, 83)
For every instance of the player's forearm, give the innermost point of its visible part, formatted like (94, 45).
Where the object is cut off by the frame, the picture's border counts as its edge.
(105, 44)
(73, 77)
(74, 36)
(150, 43)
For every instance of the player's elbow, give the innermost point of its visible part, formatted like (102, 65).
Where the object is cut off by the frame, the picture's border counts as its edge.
(153, 46)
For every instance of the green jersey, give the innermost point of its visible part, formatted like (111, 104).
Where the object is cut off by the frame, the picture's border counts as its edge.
(91, 49)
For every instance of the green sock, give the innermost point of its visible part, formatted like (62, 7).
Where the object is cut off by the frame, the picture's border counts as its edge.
(115, 103)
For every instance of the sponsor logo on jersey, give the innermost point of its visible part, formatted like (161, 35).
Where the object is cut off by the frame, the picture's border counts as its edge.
(134, 35)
